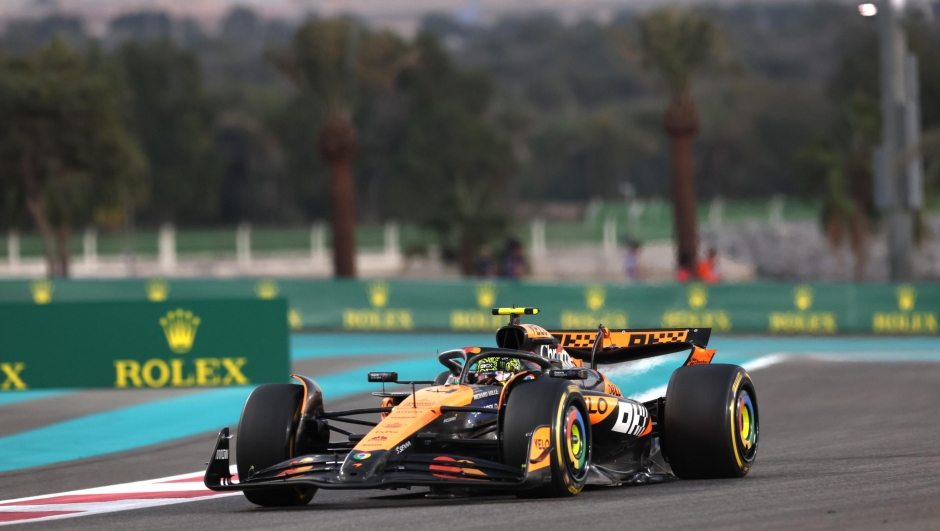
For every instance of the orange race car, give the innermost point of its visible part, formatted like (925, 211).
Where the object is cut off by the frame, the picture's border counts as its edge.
(533, 415)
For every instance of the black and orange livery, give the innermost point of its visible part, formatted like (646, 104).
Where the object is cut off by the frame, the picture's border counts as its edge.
(551, 428)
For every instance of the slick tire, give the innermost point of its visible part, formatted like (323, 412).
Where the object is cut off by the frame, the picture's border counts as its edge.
(265, 438)
(558, 404)
(711, 423)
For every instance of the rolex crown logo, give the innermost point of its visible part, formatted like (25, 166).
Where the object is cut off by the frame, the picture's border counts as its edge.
(698, 296)
(594, 297)
(907, 297)
(266, 289)
(378, 294)
(180, 326)
(157, 290)
(803, 297)
(42, 291)
(295, 319)
(486, 294)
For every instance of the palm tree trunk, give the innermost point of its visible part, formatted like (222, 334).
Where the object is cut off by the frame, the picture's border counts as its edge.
(36, 208)
(681, 124)
(63, 235)
(337, 144)
(343, 219)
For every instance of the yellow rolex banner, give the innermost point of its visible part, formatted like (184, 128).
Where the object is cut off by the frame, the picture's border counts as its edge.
(406, 305)
(184, 343)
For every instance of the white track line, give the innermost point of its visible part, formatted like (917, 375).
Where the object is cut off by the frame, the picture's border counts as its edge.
(752, 365)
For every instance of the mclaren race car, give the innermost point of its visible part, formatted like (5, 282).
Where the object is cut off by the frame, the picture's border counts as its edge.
(534, 416)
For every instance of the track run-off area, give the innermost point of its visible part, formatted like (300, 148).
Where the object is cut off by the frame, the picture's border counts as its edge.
(849, 437)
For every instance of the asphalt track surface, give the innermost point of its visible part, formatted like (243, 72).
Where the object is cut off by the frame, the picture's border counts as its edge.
(850, 445)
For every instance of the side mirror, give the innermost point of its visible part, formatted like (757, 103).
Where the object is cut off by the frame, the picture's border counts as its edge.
(568, 374)
(384, 377)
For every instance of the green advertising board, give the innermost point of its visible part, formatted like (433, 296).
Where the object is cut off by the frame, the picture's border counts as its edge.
(464, 305)
(187, 343)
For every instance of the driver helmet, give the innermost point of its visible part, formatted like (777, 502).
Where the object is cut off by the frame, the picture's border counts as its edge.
(497, 370)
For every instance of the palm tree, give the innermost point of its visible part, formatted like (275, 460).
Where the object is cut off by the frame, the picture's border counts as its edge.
(677, 44)
(331, 62)
(839, 169)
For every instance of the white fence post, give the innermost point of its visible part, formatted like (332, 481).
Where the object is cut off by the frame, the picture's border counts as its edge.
(716, 212)
(775, 216)
(318, 243)
(13, 250)
(610, 236)
(392, 246)
(167, 247)
(592, 210)
(635, 212)
(538, 238)
(90, 247)
(243, 244)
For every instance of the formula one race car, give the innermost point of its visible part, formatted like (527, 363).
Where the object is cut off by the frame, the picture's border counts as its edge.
(533, 415)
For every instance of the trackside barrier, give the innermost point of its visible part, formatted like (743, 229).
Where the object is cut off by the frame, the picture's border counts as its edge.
(464, 305)
(140, 344)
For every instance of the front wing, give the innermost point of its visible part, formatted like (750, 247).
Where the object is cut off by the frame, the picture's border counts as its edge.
(379, 470)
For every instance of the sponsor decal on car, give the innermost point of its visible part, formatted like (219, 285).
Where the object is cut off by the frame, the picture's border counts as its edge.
(221, 453)
(361, 456)
(631, 418)
(402, 447)
(599, 407)
(485, 394)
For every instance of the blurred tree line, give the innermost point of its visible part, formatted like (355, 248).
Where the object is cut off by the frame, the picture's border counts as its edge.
(461, 120)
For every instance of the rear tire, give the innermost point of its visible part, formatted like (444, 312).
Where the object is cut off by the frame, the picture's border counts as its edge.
(558, 404)
(711, 423)
(266, 437)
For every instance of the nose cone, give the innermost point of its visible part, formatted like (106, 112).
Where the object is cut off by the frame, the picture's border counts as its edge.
(362, 466)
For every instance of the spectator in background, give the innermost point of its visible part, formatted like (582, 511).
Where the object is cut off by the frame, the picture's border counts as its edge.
(486, 265)
(708, 269)
(684, 273)
(632, 265)
(514, 262)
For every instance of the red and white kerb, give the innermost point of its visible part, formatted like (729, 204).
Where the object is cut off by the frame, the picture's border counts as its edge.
(99, 500)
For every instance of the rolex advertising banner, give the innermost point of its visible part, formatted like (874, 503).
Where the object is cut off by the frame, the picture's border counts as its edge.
(464, 305)
(186, 343)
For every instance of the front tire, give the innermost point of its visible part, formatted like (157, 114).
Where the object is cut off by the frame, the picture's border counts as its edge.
(711, 422)
(266, 437)
(558, 404)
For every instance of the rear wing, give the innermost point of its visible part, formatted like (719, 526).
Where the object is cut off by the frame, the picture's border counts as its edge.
(603, 346)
